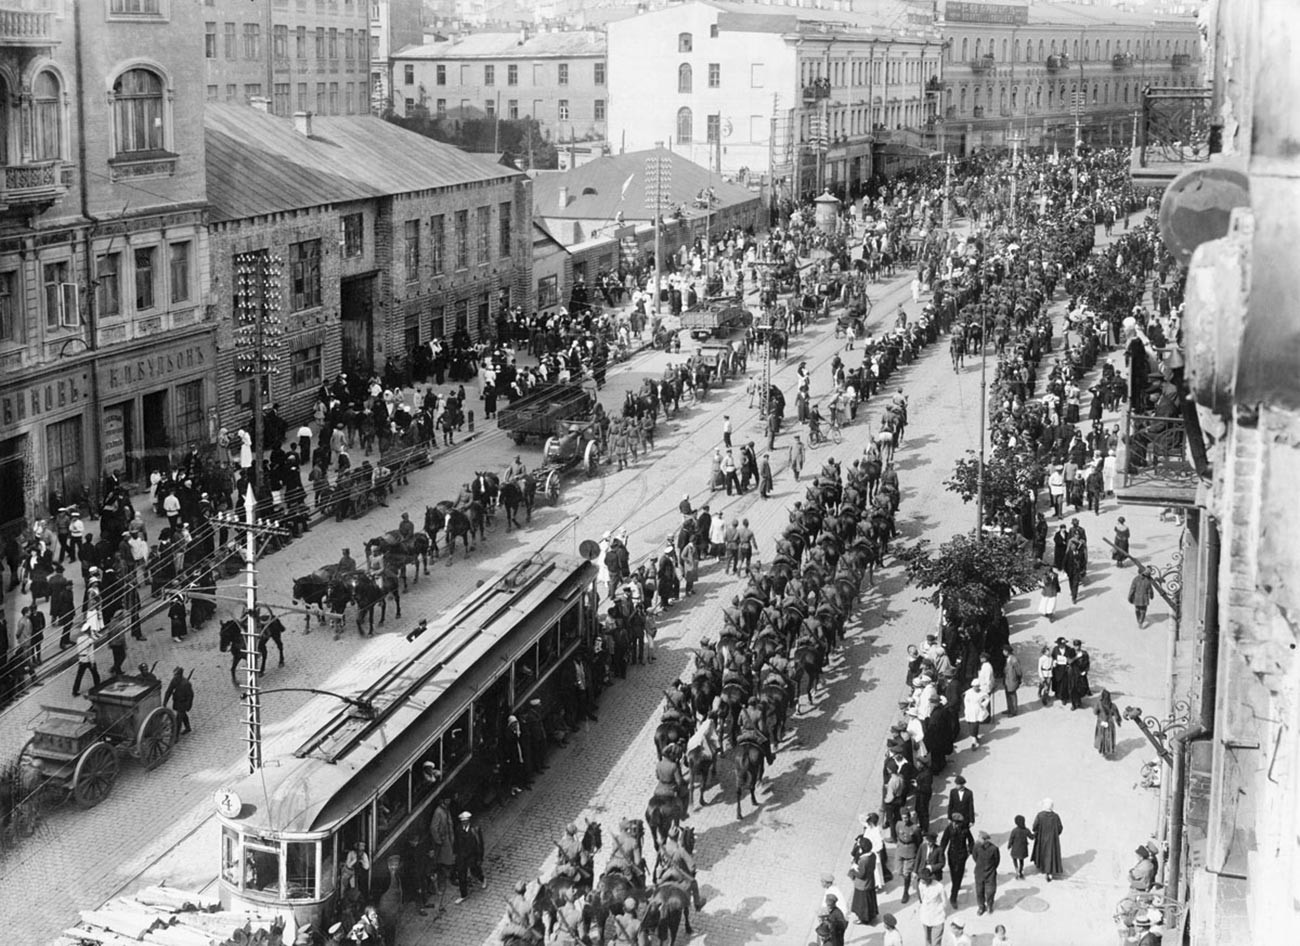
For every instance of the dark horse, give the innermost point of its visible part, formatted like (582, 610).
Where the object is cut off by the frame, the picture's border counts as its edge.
(365, 592)
(232, 640)
(607, 898)
(517, 493)
(460, 524)
(400, 553)
(668, 908)
(486, 488)
(564, 886)
(749, 771)
(663, 813)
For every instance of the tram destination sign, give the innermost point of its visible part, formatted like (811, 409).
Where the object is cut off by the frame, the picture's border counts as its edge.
(1014, 14)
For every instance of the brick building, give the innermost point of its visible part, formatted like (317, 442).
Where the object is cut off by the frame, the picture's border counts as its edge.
(301, 55)
(106, 353)
(357, 240)
(394, 25)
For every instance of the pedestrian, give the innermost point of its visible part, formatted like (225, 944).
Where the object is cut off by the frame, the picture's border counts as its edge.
(765, 477)
(1047, 596)
(986, 859)
(177, 615)
(690, 567)
(892, 936)
(908, 839)
(959, 937)
(1059, 541)
(180, 692)
(726, 431)
(961, 801)
(1120, 554)
(86, 642)
(932, 912)
(829, 890)
(975, 710)
(467, 843)
(1108, 721)
(831, 923)
(24, 662)
(865, 905)
(1076, 565)
(1018, 845)
(729, 474)
(1047, 840)
(956, 843)
(797, 457)
(1000, 936)
(1140, 592)
(731, 545)
(1012, 677)
(442, 857)
(923, 792)
(746, 544)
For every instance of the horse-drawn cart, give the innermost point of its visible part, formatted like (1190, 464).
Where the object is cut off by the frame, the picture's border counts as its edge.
(716, 320)
(575, 443)
(723, 359)
(75, 753)
(536, 413)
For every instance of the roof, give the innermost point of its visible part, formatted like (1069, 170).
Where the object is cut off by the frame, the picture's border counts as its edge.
(1072, 14)
(883, 16)
(260, 164)
(595, 189)
(509, 46)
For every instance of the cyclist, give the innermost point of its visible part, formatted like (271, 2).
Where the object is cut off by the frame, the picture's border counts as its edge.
(815, 435)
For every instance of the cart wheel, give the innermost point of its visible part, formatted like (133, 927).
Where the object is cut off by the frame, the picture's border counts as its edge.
(553, 487)
(94, 776)
(156, 738)
(591, 458)
(551, 442)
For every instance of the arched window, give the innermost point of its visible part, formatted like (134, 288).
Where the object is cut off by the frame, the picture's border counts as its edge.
(47, 117)
(975, 98)
(1053, 47)
(1075, 48)
(1105, 94)
(1015, 95)
(138, 111)
(1049, 98)
(1016, 49)
(1094, 93)
(965, 48)
(1062, 99)
(963, 100)
(685, 126)
(1040, 50)
(1002, 98)
(1096, 50)
(1004, 50)
(684, 44)
(979, 49)
(1107, 49)
(1038, 97)
(1126, 95)
(1146, 50)
(684, 77)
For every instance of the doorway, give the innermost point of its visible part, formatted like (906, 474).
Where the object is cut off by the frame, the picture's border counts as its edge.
(357, 306)
(118, 441)
(13, 471)
(156, 442)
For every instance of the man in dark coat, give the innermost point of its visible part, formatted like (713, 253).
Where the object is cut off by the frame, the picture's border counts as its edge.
(987, 857)
(956, 843)
(180, 692)
(467, 843)
(961, 800)
(62, 606)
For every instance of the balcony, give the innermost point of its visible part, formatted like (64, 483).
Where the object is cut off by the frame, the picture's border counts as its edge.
(818, 90)
(1057, 62)
(1155, 466)
(1181, 61)
(1121, 62)
(27, 28)
(1175, 132)
(982, 65)
(37, 183)
(933, 85)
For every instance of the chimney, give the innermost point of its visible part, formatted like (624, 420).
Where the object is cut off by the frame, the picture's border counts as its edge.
(564, 197)
(523, 35)
(260, 102)
(302, 123)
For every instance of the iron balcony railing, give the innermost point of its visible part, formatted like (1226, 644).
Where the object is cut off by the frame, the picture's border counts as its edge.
(1175, 127)
(1154, 464)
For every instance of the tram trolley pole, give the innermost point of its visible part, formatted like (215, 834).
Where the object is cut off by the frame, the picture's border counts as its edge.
(253, 529)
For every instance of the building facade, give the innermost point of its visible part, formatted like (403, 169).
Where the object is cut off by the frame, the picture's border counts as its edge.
(359, 241)
(1045, 69)
(394, 25)
(106, 350)
(796, 95)
(300, 56)
(558, 79)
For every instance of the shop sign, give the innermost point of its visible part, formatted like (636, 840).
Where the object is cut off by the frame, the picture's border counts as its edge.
(997, 13)
(114, 441)
(154, 367)
(44, 397)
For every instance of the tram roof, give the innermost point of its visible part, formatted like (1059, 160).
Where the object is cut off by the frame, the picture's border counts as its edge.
(354, 753)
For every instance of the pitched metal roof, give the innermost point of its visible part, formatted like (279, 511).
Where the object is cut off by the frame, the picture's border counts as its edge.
(595, 189)
(509, 46)
(260, 164)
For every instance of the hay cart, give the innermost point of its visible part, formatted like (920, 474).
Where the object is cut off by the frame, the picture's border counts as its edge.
(76, 753)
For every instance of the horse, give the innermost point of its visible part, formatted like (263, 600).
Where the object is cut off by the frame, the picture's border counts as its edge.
(662, 814)
(314, 590)
(775, 702)
(810, 661)
(459, 523)
(564, 886)
(750, 760)
(607, 899)
(400, 552)
(668, 908)
(706, 684)
(232, 639)
(486, 488)
(365, 592)
(701, 760)
(670, 731)
(517, 493)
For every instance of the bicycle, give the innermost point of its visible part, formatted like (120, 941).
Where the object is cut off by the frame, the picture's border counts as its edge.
(835, 433)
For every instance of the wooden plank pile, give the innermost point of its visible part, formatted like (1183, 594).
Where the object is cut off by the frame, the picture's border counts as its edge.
(166, 916)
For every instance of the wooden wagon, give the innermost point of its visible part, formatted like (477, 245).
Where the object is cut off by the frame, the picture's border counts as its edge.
(716, 320)
(537, 412)
(76, 753)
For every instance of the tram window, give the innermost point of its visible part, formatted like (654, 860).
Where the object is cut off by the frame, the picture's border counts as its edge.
(261, 868)
(570, 626)
(300, 870)
(547, 649)
(526, 671)
(326, 867)
(393, 806)
(426, 774)
(230, 856)
(455, 743)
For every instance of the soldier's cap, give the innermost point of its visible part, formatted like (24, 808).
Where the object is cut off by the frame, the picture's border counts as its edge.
(828, 878)
(534, 702)
(464, 816)
(336, 929)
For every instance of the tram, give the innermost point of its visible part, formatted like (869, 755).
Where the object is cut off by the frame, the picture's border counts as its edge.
(427, 728)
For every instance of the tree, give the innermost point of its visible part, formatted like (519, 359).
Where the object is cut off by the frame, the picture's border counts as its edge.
(970, 577)
(521, 138)
(1006, 479)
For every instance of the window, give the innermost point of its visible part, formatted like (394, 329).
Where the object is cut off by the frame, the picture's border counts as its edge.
(562, 74)
(713, 31)
(412, 229)
(489, 74)
(144, 277)
(512, 109)
(63, 457)
(232, 93)
(179, 266)
(684, 126)
(281, 103)
(280, 42)
(756, 75)
(684, 77)
(462, 239)
(334, 98)
(138, 111)
(408, 74)
(490, 108)
(349, 47)
(252, 91)
(713, 128)
(599, 76)
(563, 110)
(135, 7)
(47, 117)
(304, 274)
(300, 42)
(108, 284)
(61, 306)
(503, 229)
(231, 45)
(349, 98)
(352, 227)
(548, 291)
(190, 422)
(484, 233)
(441, 108)
(599, 113)
(252, 41)
(10, 317)
(512, 74)
(213, 93)
(333, 43)
(320, 47)
(684, 42)
(210, 40)
(302, 96)
(715, 75)
(438, 243)
(320, 98)
(465, 74)
(461, 314)
(440, 74)
(305, 367)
